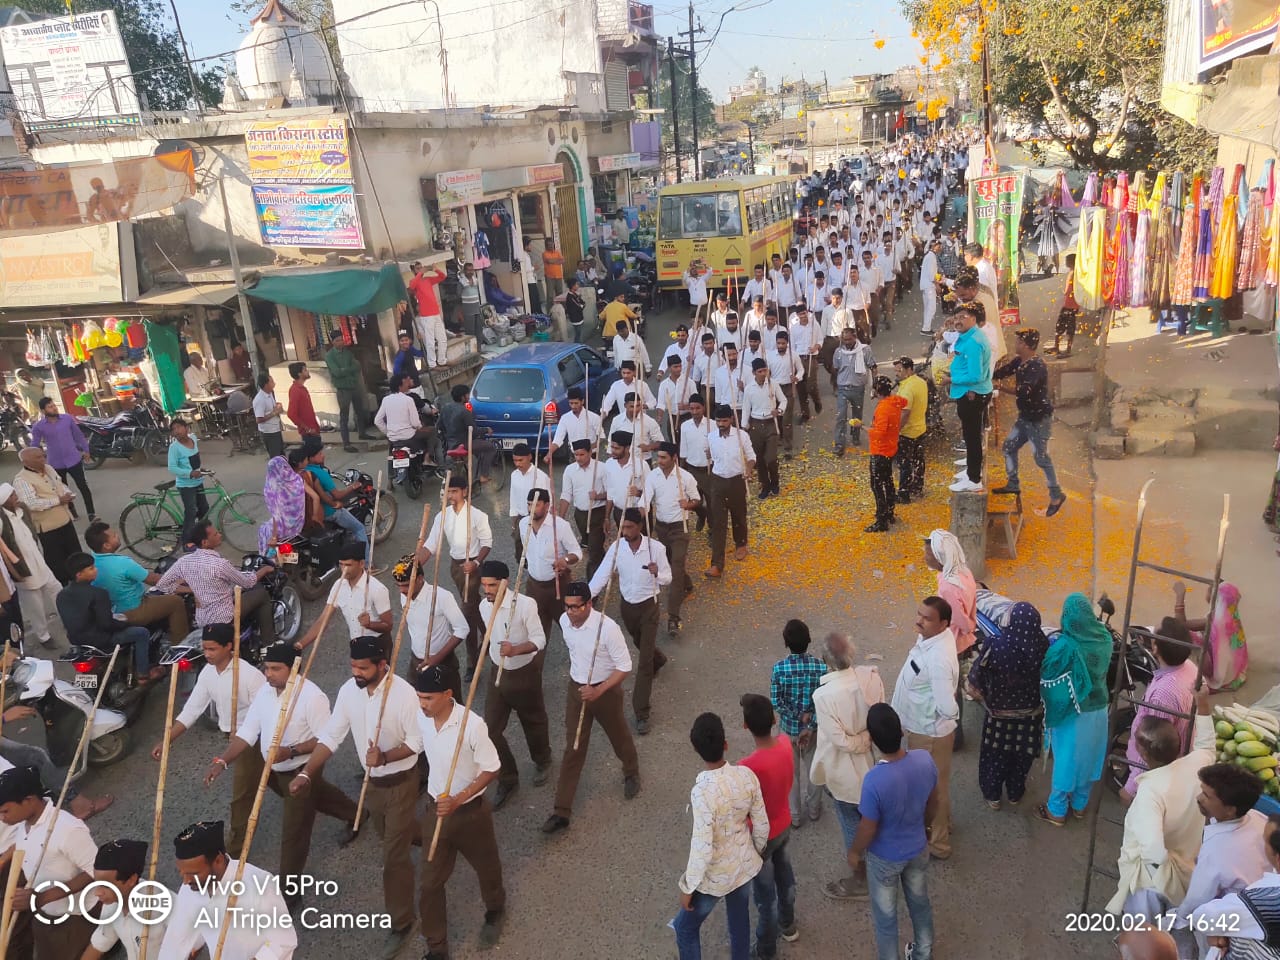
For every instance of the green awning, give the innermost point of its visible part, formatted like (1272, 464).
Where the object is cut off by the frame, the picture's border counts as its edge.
(347, 292)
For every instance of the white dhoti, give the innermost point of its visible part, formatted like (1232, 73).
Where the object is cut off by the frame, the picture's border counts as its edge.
(435, 342)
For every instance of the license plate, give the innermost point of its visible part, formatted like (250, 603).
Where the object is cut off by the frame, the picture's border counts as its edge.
(511, 444)
(399, 462)
(85, 681)
(288, 557)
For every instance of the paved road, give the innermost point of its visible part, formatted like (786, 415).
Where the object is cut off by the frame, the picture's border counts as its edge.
(606, 887)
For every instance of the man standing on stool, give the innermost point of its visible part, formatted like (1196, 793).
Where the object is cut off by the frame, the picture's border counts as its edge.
(673, 492)
(970, 379)
(429, 318)
(461, 809)
(598, 664)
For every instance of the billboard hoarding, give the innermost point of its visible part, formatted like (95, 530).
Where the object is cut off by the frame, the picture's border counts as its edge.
(454, 188)
(298, 215)
(995, 217)
(299, 151)
(1230, 30)
(68, 267)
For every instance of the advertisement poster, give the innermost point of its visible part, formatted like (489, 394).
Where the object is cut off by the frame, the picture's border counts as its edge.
(70, 71)
(70, 267)
(1230, 28)
(995, 213)
(299, 151)
(455, 188)
(292, 215)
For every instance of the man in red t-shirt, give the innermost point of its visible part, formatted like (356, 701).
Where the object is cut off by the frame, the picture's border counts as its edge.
(430, 318)
(301, 410)
(774, 887)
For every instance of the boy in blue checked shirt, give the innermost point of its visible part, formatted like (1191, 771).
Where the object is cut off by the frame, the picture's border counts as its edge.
(795, 677)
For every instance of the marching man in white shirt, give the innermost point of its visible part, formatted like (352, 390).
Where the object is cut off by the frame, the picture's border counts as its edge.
(552, 552)
(628, 382)
(118, 868)
(457, 518)
(363, 602)
(448, 628)
(720, 310)
(627, 345)
(731, 464)
(310, 715)
(729, 380)
(678, 348)
(673, 394)
(786, 370)
(524, 478)
(578, 424)
(806, 342)
(757, 286)
(518, 646)
(599, 662)
(460, 807)
(644, 430)
(201, 908)
(705, 365)
(213, 686)
(642, 571)
(673, 492)
(762, 403)
(392, 765)
(582, 491)
(624, 477)
(694, 453)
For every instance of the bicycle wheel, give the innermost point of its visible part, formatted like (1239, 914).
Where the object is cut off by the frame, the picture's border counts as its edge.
(150, 529)
(239, 519)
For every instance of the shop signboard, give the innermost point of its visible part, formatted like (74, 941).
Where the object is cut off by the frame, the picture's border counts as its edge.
(301, 215)
(70, 71)
(66, 267)
(1229, 30)
(299, 151)
(995, 214)
(545, 173)
(456, 188)
(618, 161)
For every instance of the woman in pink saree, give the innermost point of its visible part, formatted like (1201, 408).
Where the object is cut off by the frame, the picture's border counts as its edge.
(1226, 655)
(286, 498)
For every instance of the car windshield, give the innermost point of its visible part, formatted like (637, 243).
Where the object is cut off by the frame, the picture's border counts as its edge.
(509, 385)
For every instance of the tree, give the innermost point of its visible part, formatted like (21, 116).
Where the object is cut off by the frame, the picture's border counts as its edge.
(155, 55)
(314, 13)
(757, 108)
(683, 106)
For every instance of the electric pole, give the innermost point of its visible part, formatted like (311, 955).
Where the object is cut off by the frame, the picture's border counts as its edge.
(675, 112)
(693, 90)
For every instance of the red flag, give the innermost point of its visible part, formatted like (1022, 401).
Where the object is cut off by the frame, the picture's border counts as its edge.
(902, 119)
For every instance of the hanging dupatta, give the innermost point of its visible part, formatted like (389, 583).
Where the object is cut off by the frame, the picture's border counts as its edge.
(1115, 274)
(1203, 275)
(1226, 250)
(1139, 263)
(1089, 197)
(1185, 265)
(1090, 247)
(1251, 271)
(1160, 281)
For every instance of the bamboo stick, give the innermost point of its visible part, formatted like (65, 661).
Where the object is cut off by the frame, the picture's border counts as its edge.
(435, 576)
(373, 542)
(604, 602)
(235, 668)
(164, 770)
(466, 576)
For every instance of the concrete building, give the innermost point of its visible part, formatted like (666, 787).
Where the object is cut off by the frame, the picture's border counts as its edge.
(11, 157)
(754, 85)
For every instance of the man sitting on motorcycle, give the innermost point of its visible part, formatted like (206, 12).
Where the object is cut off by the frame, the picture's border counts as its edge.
(126, 582)
(398, 418)
(456, 419)
(331, 497)
(213, 579)
(86, 613)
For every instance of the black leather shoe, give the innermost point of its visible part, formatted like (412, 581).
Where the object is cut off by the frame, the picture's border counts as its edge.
(503, 793)
(492, 929)
(555, 823)
(541, 774)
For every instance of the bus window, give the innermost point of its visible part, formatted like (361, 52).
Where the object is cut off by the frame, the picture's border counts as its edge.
(699, 215)
(730, 215)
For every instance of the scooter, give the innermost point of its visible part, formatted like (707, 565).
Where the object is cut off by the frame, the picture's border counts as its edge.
(64, 709)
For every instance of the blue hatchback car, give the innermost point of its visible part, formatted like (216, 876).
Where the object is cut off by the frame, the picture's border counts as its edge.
(510, 390)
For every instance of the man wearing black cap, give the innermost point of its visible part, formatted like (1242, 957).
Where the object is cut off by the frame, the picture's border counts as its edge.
(457, 518)
(582, 491)
(264, 929)
(518, 645)
(732, 462)
(642, 573)
(624, 477)
(524, 478)
(578, 424)
(348, 383)
(363, 602)
(599, 662)
(729, 379)
(391, 763)
(673, 492)
(213, 686)
(753, 352)
(705, 365)
(673, 394)
(628, 382)
(118, 869)
(762, 403)
(310, 716)
(552, 553)
(65, 858)
(787, 371)
(644, 430)
(694, 452)
(806, 342)
(456, 800)
(678, 348)
(431, 610)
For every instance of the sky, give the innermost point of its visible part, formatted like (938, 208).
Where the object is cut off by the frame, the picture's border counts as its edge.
(785, 38)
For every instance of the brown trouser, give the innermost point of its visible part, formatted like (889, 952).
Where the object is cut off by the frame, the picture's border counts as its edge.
(543, 593)
(467, 831)
(156, 607)
(515, 537)
(521, 691)
(66, 940)
(786, 419)
(592, 532)
(300, 816)
(940, 826)
(606, 711)
(700, 475)
(675, 538)
(469, 600)
(888, 300)
(20, 941)
(728, 503)
(391, 808)
(764, 441)
(828, 352)
(874, 314)
(451, 667)
(244, 787)
(807, 389)
(641, 621)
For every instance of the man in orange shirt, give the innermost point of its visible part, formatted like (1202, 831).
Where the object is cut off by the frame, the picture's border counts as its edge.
(882, 438)
(552, 270)
(429, 320)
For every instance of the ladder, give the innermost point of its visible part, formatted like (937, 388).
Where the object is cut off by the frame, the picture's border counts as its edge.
(1121, 695)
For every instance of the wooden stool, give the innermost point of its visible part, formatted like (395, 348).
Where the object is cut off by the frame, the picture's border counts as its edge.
(1006, 518)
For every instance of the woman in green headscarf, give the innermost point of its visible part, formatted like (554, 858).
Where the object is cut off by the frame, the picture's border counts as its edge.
(1073, 685)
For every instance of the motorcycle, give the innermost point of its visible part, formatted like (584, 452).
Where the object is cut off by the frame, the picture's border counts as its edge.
(64, 709)
(311, 561)
(406, 466)
(360, 504)
(13, 423)
(144, 427)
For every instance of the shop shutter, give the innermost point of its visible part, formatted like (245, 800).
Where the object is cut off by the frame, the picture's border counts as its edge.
(617, 96)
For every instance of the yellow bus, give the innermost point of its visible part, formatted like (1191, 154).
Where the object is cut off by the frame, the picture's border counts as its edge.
(732, 224)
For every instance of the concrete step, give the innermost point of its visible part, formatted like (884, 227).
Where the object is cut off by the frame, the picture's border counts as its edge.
(1146, 440)
(1235, 423)
(1163, 416)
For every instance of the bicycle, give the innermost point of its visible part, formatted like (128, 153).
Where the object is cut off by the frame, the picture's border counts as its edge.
(151, 525)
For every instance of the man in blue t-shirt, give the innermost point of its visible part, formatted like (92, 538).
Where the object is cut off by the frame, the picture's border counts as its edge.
(898, 797)
(126, 582)
(331, 498)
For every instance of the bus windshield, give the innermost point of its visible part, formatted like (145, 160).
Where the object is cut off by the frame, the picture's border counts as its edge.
(700, 215)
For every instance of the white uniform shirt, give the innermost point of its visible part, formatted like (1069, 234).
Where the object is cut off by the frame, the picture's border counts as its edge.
(645, 430)
(69, 853)
(214, 687)
(924, 696)
(727, 452)
(263, 405)
(836, 319)
(729, 385)
(788, 290)
(697, 287)
(355, 711)
(577, 483)
(541, 545)
(515, 626)
(616, 397)
(804, 335)
(986, 274)
(751, 321)
(619, 477)
(928, 273)
(705, 367)
(189, 925)
(820, 297)
(666, 491)
(310, 714)
(574, 427)
(478, 754)
(871, 278)
(449, 621)
(737, 336)
(521, 484)
(674, 394)
(674, 350)
(455, 525)
(611, 655)
(127, 930)
(351, 602)
(397, 417)
(636, 582)
(837, 276)
(757, 288)
(761, 399)
(785, 368)
(631, 347)
(693, 442)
